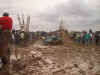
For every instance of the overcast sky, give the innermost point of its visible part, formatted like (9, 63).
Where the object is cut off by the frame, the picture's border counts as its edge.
(46, 14)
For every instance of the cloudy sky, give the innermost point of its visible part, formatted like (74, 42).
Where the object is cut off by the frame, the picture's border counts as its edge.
(46, 14)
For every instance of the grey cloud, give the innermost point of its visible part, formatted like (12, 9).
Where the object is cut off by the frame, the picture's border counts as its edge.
(77, 13)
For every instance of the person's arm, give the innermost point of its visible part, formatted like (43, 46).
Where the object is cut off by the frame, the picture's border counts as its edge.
(1, 20)
(0, 27)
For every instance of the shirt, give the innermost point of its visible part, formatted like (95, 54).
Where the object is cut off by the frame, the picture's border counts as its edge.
(6, 23)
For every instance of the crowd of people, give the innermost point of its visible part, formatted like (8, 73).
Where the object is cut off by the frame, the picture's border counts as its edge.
(87, 38)
(20, 37)
(17, 37)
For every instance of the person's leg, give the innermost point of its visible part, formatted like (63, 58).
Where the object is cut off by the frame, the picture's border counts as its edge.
(5, 53)
(96, 41)
(86, 42)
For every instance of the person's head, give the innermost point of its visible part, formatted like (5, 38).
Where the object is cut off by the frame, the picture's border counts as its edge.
(90, 30)
(5, 14)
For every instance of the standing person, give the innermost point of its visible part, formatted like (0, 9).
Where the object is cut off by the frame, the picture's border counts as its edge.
(87, 37)
(91, 36)
(83, 37)
(78, 38)
(5, 28)
(97, 38)
(22, 36)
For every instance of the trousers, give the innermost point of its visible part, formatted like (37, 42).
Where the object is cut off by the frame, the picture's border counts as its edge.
(4, 50)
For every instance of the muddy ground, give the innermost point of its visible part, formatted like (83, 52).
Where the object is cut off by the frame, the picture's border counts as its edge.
(38, 59)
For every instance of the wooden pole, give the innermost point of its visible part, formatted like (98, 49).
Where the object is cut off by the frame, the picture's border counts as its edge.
(64, 33)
